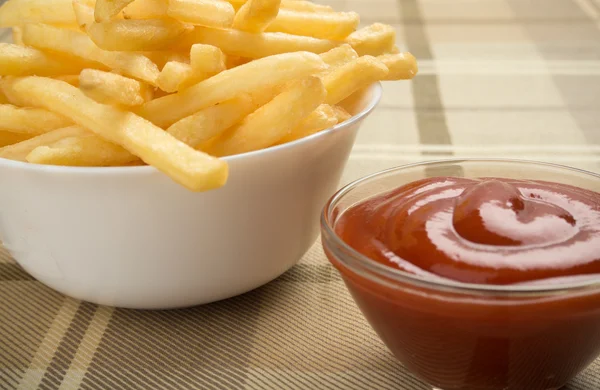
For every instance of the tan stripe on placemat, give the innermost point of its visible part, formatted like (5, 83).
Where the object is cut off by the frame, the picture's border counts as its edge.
(87, 348)
(41, 361)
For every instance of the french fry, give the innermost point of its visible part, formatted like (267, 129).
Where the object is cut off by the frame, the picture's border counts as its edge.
(3, 98)
(328, 25)
(226, 85)
(256, 15)
(273, 121)
(339, 56)
(212, 121)
(320, 119)
(341, 114)
(146, 9)
(6, 85)
(207, 59)
(195, 170)
(233, 61)
(105, 10)
(28, 120)
(136, 35)
(19, 12)
(402, 66)
(83, 151)
(213, 13)
(72, 79)
(374, 40)
(19, 151)
(304, 6)
(355, 75)
(7, 138)
(78, 44)
(17, 35)
(249, 45)
(174, 76)
(111, 88)
(295, 5)
(84, 13)
(160, 58)
(16, 60)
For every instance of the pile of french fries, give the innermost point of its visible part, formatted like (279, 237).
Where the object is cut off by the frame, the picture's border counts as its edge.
(178, 84)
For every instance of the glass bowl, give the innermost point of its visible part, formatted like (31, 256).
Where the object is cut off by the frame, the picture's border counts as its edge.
(459, 336)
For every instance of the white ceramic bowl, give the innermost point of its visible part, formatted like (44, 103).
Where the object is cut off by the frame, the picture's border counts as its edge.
(130, 237)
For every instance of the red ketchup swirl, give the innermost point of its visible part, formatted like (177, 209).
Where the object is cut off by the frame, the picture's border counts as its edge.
(486, 231)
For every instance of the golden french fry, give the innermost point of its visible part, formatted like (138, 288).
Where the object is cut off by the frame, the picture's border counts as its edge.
(80, 45)
(345, 80)
(249, 45)
(233, 61)
(17, 35)
(256, 15)
(72, 79)
(7, 138)
(212, 121)
(19, 12)
(83, 150)
(136, 35)
(29, 120)
(174, 76)
(262, 96)
(402, 66)
(84, 13)
(304, 6)
(146, 9)
(339, 56)
(374, 40)
(160, 58)
(193, 169)
(273, 121)
(320, 119)
(213, 13)
(3, 98)
(329, 25)
(295, 5)
(341, 114)
(19, 151)
(111, 88)
(6, 84)
(16, 60)
(207, 59)
(107, 9)
(226, 85)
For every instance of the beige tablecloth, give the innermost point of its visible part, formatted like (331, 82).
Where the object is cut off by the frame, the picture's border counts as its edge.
(516, 78)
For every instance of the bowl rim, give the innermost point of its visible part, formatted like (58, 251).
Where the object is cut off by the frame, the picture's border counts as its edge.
(376, 89)
(383, 274)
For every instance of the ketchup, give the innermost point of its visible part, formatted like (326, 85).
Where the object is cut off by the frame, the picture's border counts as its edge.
(485, 231)
(501, 233)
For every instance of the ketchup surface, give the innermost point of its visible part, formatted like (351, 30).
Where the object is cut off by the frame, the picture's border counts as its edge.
(485, 231)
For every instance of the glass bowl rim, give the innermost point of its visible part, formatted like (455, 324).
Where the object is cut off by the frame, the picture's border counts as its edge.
(376, 272)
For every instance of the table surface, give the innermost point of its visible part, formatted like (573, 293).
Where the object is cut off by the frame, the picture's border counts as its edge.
(518, 78)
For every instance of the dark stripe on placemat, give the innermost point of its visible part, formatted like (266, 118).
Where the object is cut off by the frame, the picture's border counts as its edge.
(63, 356)
(10, 272)
(177, 349)
(428, 105)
